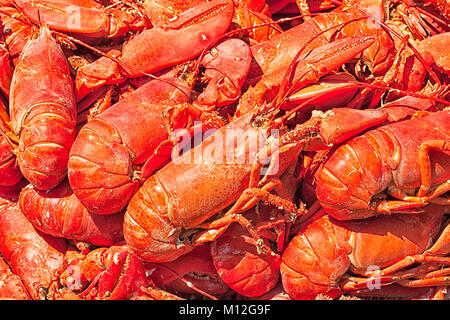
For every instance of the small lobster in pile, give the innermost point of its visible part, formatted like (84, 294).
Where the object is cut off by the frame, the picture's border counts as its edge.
(224, 149)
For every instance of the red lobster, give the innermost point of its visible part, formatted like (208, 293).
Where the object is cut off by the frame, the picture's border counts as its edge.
(84, 18)
(235, 255)
(35, 257)
(182, 39)
(318, 258)
(43, 111)
(409, 159)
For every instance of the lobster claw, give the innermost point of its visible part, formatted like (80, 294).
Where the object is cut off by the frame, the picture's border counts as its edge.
(340, 124)
(86, 81)
(83, 18)
(333, 90)
(227, 66)
(183, 39)
(121, 280)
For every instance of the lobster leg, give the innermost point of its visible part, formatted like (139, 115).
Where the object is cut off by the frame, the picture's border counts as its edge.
(228, 219)
(425, 172)
(248, 199)
(425, 165)
(387, 207)
(252, 195)
(441, 281)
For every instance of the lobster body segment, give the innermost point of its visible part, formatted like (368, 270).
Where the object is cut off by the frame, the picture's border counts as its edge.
(59, 213)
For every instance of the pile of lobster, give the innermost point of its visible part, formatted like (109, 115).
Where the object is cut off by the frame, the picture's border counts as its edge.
(224, 149)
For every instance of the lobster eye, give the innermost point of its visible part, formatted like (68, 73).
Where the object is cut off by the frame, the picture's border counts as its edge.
(259, 120)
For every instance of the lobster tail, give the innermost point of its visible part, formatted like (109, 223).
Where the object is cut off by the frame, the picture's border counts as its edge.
(314, 260)
(60, 214)
(107, 154)
(50, 135)
(147, 227)
(241, 267)
(100, 167)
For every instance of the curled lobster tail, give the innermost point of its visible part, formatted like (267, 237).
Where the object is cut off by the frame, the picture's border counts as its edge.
(107, 154)
(378, 160)
(43, 111)
(60, 214)
(241, 266)
(303, 273)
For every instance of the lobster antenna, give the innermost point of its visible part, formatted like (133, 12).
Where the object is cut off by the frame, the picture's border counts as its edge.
(233, 32)
(436, 19)
(283, 93)
(359, 84)
(406, 93)
(412, 47)
(121, 63)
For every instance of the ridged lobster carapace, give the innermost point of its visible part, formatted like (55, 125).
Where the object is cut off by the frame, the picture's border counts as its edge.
(43, 111)
(273, 58)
